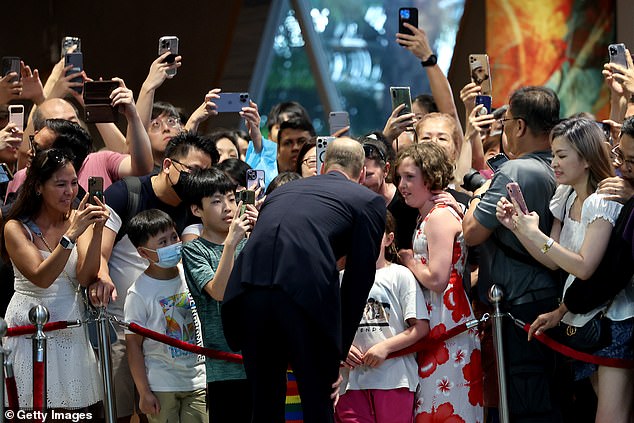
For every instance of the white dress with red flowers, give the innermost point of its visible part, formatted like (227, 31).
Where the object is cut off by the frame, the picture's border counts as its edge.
(450, 374)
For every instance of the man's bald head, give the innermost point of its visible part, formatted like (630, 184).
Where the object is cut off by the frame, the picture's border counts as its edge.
(54, 108)
(346, 155)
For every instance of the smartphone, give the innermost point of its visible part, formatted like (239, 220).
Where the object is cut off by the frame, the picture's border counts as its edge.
(255, 179)
(481, 72)
(338, 121)
(496, 161)
(231, 102)
(169, 43)
(75, 59)
(5, 173)
(515, 193)
(617, 54)
(97, 102)
(320, 151)
(247, 196)
(409, 15)
(401, 95)
(95, 189)
(11, 64)
(486, 101)
(16, 115)
(68, 42)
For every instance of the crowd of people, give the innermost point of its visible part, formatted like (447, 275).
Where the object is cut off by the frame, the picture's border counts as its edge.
(393, 242)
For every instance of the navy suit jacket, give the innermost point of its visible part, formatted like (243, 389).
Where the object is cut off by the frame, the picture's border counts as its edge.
(303, 228)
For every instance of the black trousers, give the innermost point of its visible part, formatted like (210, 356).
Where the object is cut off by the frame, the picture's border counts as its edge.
(278, 333)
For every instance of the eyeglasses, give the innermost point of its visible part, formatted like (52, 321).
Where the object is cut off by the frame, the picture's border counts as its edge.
(187, 167)
(54, 157)
(371, 150)
(618, 159)
(310, 161)
(157, 124)
(502, 120)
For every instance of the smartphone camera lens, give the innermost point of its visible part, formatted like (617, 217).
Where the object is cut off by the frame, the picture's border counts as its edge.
(612, 50)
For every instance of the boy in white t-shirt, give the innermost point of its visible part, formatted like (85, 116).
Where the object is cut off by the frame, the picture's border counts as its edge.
(171, 382)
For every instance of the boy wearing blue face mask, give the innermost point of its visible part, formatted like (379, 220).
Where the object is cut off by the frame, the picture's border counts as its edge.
(171, 382)
(208, 261)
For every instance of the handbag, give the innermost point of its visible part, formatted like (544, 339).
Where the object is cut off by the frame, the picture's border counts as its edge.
(591, 337)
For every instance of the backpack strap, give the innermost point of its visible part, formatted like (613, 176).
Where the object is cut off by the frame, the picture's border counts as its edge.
(133, 184)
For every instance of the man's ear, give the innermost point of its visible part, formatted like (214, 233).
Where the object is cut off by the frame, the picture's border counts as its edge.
(142, 253)
(521, 127)
(167, 163)
(387, 169)
(362, 176)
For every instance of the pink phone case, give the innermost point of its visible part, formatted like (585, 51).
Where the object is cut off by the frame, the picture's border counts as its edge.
(516, 194)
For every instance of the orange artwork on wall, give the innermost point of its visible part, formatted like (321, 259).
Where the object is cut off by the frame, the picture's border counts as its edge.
(561, 44)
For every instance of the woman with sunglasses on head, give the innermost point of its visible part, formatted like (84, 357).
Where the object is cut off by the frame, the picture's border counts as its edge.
(577, 242)
(54, 251)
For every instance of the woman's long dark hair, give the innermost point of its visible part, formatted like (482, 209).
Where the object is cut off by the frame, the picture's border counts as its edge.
(29, 202)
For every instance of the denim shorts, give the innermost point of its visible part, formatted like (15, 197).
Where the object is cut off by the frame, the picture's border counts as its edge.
(620, 347)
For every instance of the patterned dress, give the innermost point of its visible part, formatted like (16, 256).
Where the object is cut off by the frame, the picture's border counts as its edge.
(451, 374)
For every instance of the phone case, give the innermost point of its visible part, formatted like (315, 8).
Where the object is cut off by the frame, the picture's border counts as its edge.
(409, 15)
(401, 95)
(617, 54)
(77, 60)
(16, 115)
(5, 173)
(481, 72)
(515, 193)
(320, 151)
(486, 101)
(169, 43)
(11, 64)
(496, 161)
(95, 189)
(338, 121)
(231, 102)
(255, 179)
(98, 108)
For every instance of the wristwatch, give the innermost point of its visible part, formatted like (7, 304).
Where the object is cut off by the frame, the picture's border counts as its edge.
(66, 243)
(549, 243)
(431, 61)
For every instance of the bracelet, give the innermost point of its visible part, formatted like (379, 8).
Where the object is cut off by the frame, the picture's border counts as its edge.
(477, 196)
(431, 61)
(549, 243)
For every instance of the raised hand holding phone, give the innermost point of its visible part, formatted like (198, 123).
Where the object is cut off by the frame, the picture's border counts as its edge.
(515, 193)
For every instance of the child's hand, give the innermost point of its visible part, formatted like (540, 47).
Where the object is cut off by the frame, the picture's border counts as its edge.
(375, 356)
(149, 404)
(355, 358)
(240, 224)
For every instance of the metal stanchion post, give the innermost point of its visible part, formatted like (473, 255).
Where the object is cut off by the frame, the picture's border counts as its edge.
(495, 296)
(105, 360)
(38, 316)
(3, 331)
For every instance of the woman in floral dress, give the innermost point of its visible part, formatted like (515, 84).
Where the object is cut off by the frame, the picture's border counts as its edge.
(451, 373)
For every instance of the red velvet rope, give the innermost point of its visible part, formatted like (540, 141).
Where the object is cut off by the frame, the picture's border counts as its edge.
(38, 386)
(12, 393)
(429, 342)
(29, 329)
(578, 355)
(208, 352)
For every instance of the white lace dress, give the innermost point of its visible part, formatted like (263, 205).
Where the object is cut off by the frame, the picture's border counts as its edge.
(73, 379)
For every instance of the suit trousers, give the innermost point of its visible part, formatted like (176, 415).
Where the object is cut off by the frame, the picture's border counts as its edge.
(278, 333)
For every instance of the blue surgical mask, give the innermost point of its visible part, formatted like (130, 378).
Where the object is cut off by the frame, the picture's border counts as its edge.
(168, 256)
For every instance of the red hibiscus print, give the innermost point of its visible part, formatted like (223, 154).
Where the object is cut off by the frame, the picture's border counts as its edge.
(472, 373)
(429, 360)
(444, 386)
(459, 357)
(442, 414)
(456, 300)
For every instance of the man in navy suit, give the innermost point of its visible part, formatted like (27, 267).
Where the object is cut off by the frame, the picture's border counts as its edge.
(284, 304)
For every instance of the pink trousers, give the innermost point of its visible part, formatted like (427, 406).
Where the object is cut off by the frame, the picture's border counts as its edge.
(376, 406)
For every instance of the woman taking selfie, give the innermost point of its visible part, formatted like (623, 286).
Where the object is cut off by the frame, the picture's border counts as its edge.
(578, 239)
(54, 251)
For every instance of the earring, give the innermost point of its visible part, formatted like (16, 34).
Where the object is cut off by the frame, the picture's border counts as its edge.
(37, 193)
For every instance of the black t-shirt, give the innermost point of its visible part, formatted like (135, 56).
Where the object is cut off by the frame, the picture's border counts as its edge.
(405, 217)
(117, 199)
